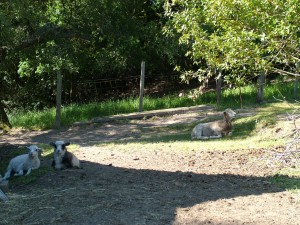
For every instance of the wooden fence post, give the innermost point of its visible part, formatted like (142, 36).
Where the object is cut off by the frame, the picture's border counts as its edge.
(296, 87)
(142, 82)
(58, 99)
(219, 88)
(296, 81)
(260, 88)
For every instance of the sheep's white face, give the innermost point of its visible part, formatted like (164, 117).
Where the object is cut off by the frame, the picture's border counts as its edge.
(59, 147)
(230, 113)
(33, 151)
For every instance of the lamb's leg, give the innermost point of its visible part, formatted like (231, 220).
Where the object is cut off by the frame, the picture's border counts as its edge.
(53, 163)
(19, 173)
(214, 137)
(7, 175)
(19, 170)
(197, 133)
(28, 171)
(201, 138)
(59, 166)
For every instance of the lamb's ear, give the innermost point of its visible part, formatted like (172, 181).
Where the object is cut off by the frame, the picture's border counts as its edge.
(52, 144)
(226, 116)
(67, 143)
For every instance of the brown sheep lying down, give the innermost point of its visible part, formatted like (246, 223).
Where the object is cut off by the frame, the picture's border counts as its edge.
(215, 129)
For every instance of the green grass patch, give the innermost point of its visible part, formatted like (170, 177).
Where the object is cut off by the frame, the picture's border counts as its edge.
(252, 132)
(42, 120)
(288, 179)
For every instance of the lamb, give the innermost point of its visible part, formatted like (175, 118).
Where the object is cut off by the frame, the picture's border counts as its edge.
(215, 129)
(23, 163)
(62, 158)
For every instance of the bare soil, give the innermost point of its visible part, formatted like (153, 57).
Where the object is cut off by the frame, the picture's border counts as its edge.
(147, 187)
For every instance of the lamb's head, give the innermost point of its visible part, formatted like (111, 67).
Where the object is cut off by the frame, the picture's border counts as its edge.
(229, 113)
(33, 151)
(60, 147)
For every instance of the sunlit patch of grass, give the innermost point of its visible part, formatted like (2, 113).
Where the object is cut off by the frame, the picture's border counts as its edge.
(288, 179)
(35, 120)
(254, 131)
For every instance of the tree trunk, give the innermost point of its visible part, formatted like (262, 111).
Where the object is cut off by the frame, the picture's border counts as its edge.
(4, 121)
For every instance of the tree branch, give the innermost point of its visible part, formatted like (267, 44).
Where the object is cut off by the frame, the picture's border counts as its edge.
(51, 32)
(283, 72)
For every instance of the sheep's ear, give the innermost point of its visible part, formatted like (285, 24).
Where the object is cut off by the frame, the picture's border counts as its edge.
(68, 143)
(226, 116)
(28, 148)
(52, 144)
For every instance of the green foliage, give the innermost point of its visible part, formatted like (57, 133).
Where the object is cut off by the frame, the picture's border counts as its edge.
(86, 40)
(239, 37)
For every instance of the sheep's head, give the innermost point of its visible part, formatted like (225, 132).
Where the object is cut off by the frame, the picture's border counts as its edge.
(230, 113)
(59, 147)
(33, 151)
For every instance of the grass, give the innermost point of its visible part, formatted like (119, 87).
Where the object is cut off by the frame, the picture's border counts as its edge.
(23, 180)
(43, 120)
(70, 114)
(252, 132)
(288, 179)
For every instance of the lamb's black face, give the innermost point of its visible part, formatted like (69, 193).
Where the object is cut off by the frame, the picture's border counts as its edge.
(59, 147)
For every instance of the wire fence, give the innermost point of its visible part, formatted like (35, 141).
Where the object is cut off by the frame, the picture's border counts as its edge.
(123, 87)
(156, 85)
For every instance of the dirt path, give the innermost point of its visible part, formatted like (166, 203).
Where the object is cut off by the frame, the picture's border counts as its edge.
(147, 187)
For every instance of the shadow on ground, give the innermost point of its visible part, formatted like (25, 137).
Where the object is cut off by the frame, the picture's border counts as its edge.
(107, 194)
(104, 194)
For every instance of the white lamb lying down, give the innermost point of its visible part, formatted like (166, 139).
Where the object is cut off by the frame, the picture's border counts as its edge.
(215, 129)
(62, 158)
(24, 163)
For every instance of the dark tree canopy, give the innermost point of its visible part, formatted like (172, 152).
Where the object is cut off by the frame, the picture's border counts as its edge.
(90, 40)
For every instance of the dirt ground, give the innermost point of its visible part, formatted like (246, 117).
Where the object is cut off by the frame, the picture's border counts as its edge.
(147, 187)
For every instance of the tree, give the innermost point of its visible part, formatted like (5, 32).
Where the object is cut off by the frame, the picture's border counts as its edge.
(92, 39)
(244, 38)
